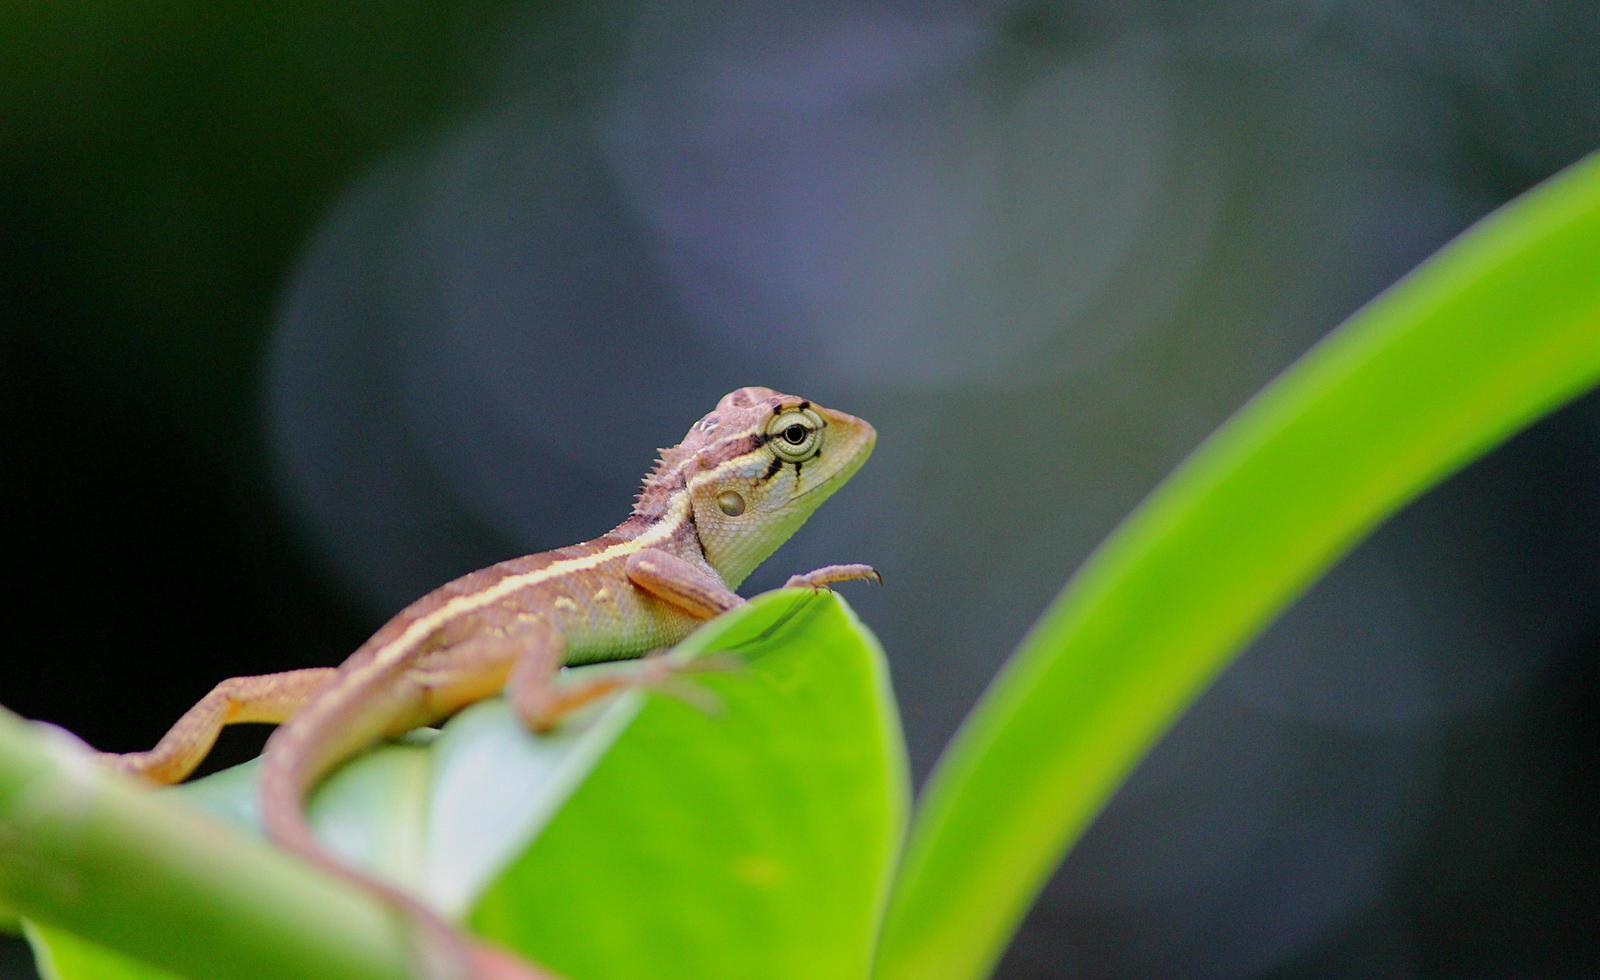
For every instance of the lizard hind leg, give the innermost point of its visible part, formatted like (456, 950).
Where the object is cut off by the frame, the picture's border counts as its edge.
(542, 702)
(263, 698)
(367, 703)
(693, 589)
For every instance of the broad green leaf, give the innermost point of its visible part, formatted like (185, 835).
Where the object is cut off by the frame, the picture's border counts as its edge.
(756, 841)
(370, 813)
(1499, 328)
(756, 837)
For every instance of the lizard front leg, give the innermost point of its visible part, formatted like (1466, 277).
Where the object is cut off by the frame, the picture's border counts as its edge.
(699, 592)
(263, 698)
(692, 588)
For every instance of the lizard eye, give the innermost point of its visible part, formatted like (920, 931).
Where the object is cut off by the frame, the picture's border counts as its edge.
(795, 436)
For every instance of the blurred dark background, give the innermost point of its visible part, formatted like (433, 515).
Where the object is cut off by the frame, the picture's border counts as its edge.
(308, 308)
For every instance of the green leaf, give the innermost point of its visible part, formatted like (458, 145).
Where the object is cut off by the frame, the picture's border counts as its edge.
(1499, 328)
(60, 955)
(753, 839)
(756, 841)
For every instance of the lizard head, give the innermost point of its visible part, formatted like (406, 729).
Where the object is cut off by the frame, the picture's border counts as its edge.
(753, 470)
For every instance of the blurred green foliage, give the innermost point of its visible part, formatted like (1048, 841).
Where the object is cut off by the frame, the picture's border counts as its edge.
(62, 956)
(178, 151)
(1498, 329)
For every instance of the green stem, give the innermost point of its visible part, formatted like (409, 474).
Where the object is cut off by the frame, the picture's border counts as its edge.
(1499, 328)
(88, 852)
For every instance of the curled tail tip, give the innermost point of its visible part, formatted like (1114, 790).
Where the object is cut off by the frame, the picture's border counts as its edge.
(493, 963)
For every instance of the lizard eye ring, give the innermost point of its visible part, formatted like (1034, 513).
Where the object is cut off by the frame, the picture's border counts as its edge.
(795, 436)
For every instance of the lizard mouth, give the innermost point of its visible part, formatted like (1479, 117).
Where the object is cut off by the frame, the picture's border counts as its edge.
(810, 491)
(834, 480)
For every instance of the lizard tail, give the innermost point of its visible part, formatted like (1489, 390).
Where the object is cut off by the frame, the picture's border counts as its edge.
(314, 742)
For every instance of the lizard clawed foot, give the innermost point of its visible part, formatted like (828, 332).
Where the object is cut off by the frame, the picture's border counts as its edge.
(145, 767)
(128, 762)
(658, 672)
(827, 575)
(491, 963)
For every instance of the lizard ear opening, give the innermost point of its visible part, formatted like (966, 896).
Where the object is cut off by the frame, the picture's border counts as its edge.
(730, 503)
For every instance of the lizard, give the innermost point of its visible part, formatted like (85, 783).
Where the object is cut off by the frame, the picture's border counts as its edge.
(714, 507)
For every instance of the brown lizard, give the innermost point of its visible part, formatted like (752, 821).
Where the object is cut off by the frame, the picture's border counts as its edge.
(743, 480)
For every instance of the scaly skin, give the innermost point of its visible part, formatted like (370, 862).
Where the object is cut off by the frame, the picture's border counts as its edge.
(715, 506)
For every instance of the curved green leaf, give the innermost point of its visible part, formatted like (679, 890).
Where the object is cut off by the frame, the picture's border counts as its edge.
(753, 839)
(1500, 327)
